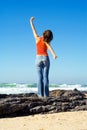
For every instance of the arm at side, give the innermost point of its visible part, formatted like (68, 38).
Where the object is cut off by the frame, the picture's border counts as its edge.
(51, 50)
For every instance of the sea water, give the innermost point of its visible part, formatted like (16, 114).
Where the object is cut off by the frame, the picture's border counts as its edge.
(14, 88)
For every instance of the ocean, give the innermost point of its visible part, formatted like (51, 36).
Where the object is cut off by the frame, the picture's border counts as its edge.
(14, 88)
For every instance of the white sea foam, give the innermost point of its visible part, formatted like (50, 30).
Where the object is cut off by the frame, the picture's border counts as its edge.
(66, 86)
(31, 88)
(17, 90)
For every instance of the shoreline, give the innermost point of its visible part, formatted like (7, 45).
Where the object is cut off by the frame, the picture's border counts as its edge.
(20, 88)
(55, 121)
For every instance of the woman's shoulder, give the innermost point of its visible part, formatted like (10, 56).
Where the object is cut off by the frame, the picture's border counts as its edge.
(38, 39)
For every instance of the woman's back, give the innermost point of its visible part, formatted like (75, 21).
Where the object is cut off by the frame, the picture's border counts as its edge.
(41, 48)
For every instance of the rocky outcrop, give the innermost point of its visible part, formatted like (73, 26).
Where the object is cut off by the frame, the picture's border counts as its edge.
(29, 104)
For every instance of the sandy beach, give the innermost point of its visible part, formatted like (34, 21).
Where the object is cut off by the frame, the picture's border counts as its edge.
(56, 121)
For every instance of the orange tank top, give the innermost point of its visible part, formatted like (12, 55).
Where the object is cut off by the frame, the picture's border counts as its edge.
(41, 48)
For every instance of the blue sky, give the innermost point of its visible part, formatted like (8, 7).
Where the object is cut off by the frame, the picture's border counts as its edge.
(68, 21)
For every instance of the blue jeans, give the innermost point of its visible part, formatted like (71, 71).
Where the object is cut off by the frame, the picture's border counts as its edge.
(43, 65)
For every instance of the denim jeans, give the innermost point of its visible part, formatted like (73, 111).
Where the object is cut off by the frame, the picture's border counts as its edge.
(43, 65)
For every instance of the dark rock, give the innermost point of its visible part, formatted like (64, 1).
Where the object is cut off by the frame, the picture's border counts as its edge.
(71, 94)
(28, 104)
(3, 96)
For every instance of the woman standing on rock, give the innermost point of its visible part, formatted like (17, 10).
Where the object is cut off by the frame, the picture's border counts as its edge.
(42, 59)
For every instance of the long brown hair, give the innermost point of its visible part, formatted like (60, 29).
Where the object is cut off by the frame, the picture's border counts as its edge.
(48, 35)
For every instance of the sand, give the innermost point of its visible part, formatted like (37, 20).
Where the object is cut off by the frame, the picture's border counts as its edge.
(56, 121)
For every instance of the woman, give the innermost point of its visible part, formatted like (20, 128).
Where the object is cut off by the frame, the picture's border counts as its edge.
(42, 59)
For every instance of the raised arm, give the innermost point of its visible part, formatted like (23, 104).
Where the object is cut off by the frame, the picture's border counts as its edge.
(51, 50)
(33, 28)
